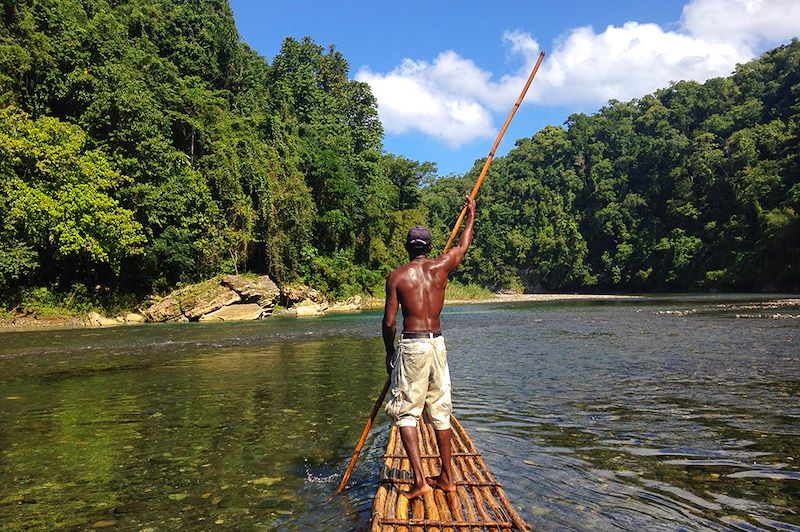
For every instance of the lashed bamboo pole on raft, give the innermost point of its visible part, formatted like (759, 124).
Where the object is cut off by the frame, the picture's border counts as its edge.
(478, 505)
(365, 431)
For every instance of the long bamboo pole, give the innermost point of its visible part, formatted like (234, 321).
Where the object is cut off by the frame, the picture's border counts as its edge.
(363, 437)
(488, 162)
(379, 402)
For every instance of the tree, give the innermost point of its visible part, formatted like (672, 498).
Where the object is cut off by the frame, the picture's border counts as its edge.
(58, 204)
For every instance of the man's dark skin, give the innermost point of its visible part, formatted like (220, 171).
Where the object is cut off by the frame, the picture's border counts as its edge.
(418, 287)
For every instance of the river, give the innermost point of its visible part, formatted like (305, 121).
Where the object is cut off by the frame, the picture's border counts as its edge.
(666, 413)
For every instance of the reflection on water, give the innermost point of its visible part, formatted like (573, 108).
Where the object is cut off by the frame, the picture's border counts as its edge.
(602, 415)
(189, 431)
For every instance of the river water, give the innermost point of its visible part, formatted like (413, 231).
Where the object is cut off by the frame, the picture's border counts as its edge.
(655, 414)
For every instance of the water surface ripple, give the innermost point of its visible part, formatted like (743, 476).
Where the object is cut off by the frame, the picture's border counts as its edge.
(610, 415)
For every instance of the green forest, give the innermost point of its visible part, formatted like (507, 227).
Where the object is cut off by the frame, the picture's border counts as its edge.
(144, 146)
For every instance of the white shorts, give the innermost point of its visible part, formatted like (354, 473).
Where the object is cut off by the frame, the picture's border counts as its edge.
(420, 382)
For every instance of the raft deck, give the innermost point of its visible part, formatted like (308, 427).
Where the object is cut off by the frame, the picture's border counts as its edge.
(478, 503)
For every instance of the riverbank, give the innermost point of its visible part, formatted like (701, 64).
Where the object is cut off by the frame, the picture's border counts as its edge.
(513, 298)
(31, 321)
(374, 303)
(785, 302)
(23, 322)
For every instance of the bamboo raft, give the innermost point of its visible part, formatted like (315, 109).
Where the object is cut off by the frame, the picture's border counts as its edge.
(478, 503)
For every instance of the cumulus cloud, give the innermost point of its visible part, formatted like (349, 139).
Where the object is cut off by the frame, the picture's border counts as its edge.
(628, 61)
(745, 21)
(450, 98)
(414, 96)
(623, 62)
(453, 100)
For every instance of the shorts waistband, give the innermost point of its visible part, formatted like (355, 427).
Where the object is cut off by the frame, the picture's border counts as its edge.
(415, 334)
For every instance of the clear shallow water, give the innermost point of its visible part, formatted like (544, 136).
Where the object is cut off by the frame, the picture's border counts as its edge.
(592, 415)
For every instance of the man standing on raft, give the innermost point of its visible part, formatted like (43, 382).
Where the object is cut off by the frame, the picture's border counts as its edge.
(420, 378)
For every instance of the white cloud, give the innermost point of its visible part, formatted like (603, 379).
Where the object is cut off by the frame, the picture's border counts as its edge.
(628, 61)
(452, 99)
(415, 97)
(521, 43)
(746, 21)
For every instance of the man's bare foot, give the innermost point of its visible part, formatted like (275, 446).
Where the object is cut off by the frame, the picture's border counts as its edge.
(443, 484)
(417, 491)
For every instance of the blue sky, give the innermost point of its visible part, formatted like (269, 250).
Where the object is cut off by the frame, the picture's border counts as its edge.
(446, 73)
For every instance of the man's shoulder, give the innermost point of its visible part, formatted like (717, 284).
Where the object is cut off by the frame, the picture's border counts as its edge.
(400, 270)
(397, 272)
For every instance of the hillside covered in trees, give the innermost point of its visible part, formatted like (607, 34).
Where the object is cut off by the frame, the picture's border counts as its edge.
(143, 145)
(694, 187)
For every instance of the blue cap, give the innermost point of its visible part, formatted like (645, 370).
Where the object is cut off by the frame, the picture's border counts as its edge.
(418, 235)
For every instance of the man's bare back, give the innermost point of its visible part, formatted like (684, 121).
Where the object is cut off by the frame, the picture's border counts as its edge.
(418, 288)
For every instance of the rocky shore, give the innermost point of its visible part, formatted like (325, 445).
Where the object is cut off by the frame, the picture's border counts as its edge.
(237, 298)
(778, 309)
(510, 298)
(222, 298)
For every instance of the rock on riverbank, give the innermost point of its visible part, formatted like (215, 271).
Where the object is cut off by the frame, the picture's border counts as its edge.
(303, 301)
(223, 298)
(234, 297)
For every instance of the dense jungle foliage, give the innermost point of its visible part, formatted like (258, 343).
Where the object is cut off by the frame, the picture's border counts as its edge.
(143, 145)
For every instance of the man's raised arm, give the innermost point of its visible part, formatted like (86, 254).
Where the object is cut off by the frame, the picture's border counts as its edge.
(455, 255)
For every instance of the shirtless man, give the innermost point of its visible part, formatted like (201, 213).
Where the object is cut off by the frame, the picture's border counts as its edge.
(418, 368)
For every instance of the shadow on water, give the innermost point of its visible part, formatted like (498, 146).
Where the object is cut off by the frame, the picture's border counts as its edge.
(593, 416)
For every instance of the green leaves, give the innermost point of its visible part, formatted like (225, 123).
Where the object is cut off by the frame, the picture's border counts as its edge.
(692, 187)
(58, 201)
(143, 145)
(17, 260)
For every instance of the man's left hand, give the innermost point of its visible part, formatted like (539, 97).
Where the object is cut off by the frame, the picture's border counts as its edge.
(389, 358)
